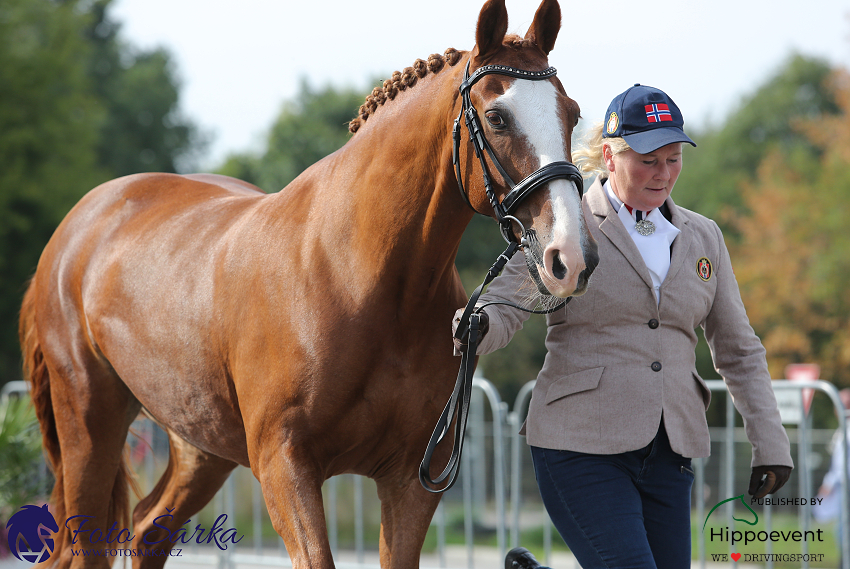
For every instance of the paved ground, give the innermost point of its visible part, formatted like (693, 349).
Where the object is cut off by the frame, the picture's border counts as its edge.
(455, 558)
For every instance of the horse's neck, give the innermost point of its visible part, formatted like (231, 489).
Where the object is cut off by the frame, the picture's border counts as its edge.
(396, 179)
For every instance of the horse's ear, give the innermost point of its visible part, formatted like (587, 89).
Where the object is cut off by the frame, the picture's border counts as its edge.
(491, 29)
(544, 29)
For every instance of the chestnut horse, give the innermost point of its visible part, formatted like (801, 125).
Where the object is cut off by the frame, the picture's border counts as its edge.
(303, 334)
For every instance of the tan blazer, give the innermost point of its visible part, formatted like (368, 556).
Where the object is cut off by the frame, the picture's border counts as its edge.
(617, 360)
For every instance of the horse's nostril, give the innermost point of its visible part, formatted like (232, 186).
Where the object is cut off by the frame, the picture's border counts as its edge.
(558, 269)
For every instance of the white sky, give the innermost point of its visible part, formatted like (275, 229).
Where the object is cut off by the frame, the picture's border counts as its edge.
(238, 60)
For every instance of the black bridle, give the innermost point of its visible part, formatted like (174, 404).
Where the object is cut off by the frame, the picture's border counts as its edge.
(503, 211)
(470, 322)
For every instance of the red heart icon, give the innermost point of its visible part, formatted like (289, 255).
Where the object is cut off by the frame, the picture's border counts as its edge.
(735, 556)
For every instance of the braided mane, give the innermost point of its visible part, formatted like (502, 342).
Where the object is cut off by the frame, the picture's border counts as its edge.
(400, 81)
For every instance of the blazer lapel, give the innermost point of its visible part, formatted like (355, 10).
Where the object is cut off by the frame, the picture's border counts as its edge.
(682, 243)
(611, 226)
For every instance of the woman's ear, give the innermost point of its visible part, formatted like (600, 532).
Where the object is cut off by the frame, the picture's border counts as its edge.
(608, 156)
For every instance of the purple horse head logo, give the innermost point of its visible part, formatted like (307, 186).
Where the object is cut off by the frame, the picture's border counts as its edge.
(31, 532)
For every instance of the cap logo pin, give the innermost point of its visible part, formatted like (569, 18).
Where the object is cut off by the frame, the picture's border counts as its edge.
(613, 123)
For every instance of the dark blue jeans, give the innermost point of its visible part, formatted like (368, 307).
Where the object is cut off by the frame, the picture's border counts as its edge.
(620, 511)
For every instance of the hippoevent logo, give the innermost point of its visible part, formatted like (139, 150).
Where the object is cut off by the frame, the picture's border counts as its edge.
(31, 532)
(741, 498)
(753, 536)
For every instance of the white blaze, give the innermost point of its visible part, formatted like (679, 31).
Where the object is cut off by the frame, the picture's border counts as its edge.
(534, 109)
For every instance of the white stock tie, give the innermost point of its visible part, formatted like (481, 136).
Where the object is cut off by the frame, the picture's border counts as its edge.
(654, 248)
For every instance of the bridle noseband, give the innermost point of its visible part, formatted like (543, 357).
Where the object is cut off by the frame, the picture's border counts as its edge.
(470, 323)
(503, 211)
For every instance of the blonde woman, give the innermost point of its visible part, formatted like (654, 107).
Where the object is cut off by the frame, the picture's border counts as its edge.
(618, 410)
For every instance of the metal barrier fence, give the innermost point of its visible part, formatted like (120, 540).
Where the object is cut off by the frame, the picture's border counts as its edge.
(496, 499)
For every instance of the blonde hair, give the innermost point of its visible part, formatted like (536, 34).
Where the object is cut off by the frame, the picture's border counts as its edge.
(589, 157)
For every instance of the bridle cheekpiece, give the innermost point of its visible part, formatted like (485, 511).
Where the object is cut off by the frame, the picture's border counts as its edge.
(503, 211)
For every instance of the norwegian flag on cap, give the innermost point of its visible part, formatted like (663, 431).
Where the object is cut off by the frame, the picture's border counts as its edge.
(658, 112)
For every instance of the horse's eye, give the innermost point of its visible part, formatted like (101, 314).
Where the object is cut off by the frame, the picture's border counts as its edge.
(495, 119)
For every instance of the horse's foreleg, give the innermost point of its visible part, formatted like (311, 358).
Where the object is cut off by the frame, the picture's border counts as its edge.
(406, 512)
(189, 482)
(292, 487)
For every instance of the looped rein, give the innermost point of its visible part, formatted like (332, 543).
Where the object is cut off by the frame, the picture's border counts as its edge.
(470, 323)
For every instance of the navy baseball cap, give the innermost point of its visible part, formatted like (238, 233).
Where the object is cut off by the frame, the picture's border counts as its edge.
(646, 118)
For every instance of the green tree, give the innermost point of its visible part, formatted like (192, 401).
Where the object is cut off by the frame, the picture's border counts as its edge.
(729, 155)
(793, 265)
(309, 127)
(48, 135)
(78, 106)
(138, 92)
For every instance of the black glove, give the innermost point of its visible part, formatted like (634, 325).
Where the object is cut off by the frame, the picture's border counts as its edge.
(775, 478)
(483, 327)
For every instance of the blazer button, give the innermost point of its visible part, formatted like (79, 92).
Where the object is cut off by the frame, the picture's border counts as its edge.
(656, 366)
(653, 323)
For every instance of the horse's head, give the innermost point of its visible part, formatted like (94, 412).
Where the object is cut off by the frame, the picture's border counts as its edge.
(527, 123)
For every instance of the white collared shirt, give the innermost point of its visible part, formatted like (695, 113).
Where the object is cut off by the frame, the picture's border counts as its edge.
(655, 248)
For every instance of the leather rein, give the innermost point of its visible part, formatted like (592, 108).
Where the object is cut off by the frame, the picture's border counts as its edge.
(470, 323)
